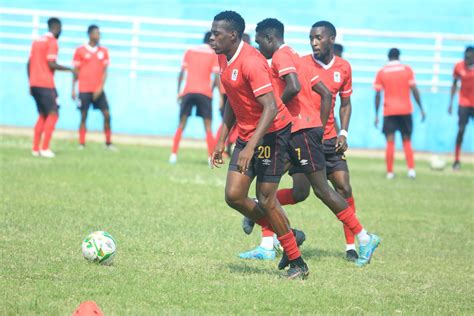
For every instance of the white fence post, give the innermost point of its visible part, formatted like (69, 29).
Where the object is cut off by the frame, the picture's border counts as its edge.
(134, 50)
(437, 62)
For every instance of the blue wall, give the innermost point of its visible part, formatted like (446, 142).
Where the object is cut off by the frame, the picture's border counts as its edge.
(146, 105)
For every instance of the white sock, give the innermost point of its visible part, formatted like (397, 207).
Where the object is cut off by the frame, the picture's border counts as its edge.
(267, 243)
(350, 247)
(363, 237)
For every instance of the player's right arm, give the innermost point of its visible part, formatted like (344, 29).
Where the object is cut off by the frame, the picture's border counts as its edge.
(416, 95)
(28, 73)
(454, 88)
(378, 96)
(180, 81)
(227, 123)
(292, 87)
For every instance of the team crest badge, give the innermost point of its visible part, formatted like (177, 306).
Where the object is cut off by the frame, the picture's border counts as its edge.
(337, 76)
(235, 73)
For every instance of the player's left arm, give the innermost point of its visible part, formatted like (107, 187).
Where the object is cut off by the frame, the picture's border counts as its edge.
(345, 111)
(416, 95)
(28, 73)
(100, 89)
(270, 110)
(227, 122)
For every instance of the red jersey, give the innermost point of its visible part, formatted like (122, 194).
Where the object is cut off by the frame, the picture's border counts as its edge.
(199, 63)
(395, 79)
(465, 73)
(92, 63)
(245, 77)
(337, 77)
(305, 114)
(43, 50)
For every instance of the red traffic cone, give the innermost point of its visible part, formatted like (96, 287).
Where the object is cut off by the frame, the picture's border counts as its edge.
(88, 308)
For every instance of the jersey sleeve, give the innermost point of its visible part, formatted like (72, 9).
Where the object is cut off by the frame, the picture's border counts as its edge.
(185, 63)
(215, 65)
(411, 76)
(52, 52)
(77, 59)
(456, 72)
(378, 85)
(106, 57)
(283, 64)
(257, 73)
(346, 88)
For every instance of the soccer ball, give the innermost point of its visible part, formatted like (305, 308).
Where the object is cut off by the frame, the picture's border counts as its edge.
(437, 163)
(99, 247)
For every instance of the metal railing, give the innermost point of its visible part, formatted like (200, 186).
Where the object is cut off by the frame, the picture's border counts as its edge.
(144, 44)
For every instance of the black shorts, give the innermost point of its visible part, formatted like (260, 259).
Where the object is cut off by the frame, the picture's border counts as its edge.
(306, 151)
(268, 162)
(202, 102)
(402, 123)
(334, 161)
(86, 100)
(46, 99)
(465, 113)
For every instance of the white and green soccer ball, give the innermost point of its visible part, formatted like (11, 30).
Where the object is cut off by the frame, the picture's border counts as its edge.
(99, 247)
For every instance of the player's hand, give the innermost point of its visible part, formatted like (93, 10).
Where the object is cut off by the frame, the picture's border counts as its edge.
(97, 94)
(73, 95)
(423, 116)
(179, 98)
(450, 109)
(341, 144)
(376, 122)
(245, 156)
(216, 157)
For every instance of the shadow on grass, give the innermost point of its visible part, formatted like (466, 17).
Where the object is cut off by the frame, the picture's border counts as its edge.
(242, 267)
(318, 253)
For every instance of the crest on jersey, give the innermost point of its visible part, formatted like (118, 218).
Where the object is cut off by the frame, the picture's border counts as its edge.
(87, 56)
(100, 55)
(337, 76)
(235, 73)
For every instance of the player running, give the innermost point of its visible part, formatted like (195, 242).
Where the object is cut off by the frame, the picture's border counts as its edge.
(199, 64)
(91, 62)
(41, 67)
(464, 71)
(329, 158)
(264, 126)
(397, 80)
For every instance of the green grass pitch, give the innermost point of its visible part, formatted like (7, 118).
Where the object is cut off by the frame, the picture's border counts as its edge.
(178, 241)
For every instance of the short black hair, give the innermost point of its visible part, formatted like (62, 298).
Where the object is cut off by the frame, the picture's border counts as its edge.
(339, 47)
(469, 49)
(53, 21)
(328, 25)
(234, 19)
(91, 28)
(271, 24)
(394, 53)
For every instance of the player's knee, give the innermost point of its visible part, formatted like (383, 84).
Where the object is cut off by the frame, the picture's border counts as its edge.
(322, 193)
(233, 198)
(266, 202)
(300, 194)
(345, 190)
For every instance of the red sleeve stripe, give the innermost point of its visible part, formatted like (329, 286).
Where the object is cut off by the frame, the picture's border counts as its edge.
(412, 82)
(76, 63)
(51, 57)
(262, 87)
(314, 78)
(378, 87)
(347, 91)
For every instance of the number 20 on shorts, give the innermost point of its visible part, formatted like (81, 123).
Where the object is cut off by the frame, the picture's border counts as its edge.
(264, 152)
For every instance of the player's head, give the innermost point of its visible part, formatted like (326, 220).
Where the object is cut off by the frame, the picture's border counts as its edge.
(338, 50)
(269, 36)
(227, 30)
(206, 38)
(94, 33)
(469, 55)
(322, 37)
(394, 54)
(54, 26)
(246, 38)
